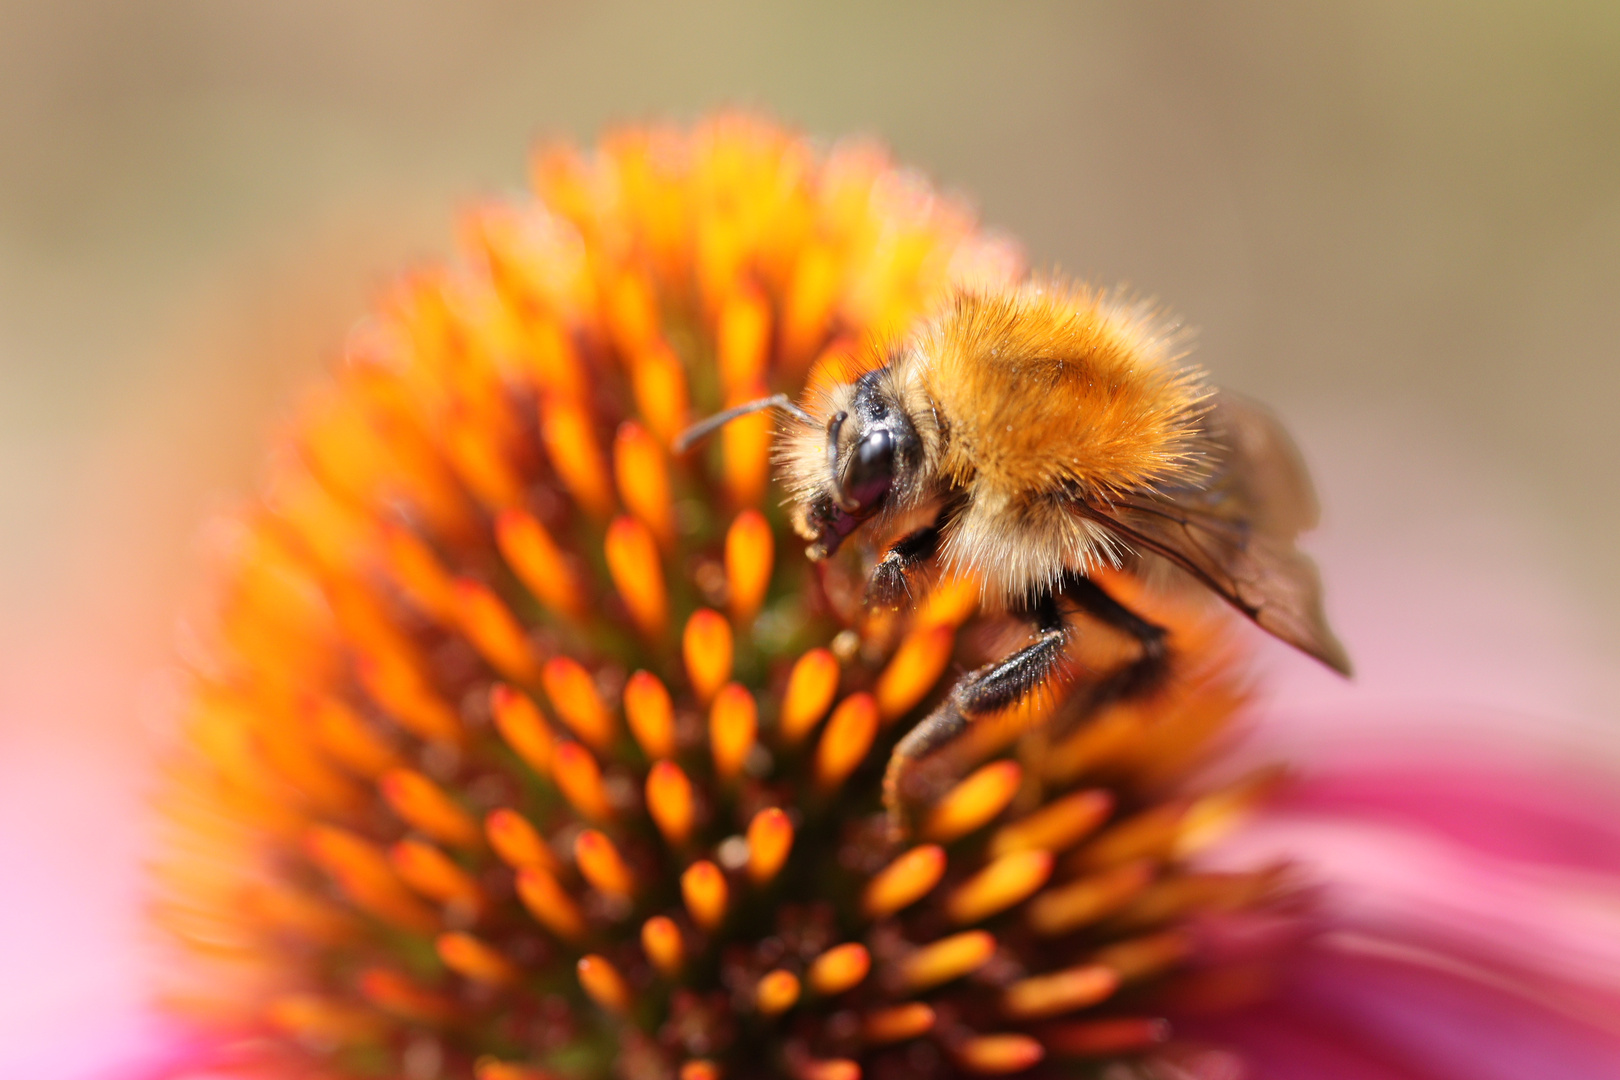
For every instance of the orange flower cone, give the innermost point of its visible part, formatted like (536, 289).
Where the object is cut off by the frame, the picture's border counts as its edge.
(524, 748)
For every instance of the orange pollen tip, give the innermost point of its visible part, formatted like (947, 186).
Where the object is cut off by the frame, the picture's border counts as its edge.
(898, 1023)
(750, 552)
(550, 903)
(632, 311)
(432, 873)
(423, 805)
(304, 915)
(950, 602)
(521, 725)
(363, 872)
(517, 842)
(997, 1055)
(846, 739)
(974, 802)
(1143, 957)
(777, 992)
(490, 1069)
(745, 448)
(602, 981)
(700, 1070)
(661, 941)
(1149, 835)
(840, 968)
(580, 779)
(770, 838)
(393, 992)
(601, 864)
(812, 293)
(1101, 1038)
(539, 563)
(418, 571)
(289, 754)
(658, 382)
(1216, 814)
(703, 887)
(343, 854)
(399, 689)
(706, 647)
(904, 881)
(669, 801)
(743, 338)
(555, 366)
(811, 687)
(651, 714)
(347, 738)
(570, 441)
(946, 959)
(311, 1017)
(1078, 903)
(917, 665)
(1056, 826)
(733, 727)
(643, 479)
(632, 558)
(482, 462)
(828, 1069)
(467, 956)
(1060, 992)
(494, 632)
(1008, 880)
(573, 694)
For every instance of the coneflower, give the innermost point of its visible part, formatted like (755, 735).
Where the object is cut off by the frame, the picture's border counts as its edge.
(521, 748)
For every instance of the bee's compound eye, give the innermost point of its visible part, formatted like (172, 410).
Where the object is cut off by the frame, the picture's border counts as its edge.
(871, 469)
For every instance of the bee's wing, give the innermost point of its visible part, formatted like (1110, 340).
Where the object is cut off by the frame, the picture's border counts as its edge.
(1259, 474)
(1235, 531)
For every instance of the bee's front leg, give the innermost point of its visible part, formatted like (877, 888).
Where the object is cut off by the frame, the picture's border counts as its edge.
(890, 583)
(988, 690)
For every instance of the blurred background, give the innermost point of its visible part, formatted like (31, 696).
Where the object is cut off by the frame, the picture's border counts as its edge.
(1397, 222)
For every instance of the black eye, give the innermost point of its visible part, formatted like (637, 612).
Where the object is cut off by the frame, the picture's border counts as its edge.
(871, 469)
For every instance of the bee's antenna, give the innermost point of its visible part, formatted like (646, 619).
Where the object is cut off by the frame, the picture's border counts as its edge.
(704, 428)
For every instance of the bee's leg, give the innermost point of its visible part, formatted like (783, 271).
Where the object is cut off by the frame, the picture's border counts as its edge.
(890, 584)
(1141, 674)
(988, 690)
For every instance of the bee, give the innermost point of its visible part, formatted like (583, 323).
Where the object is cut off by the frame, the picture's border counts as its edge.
(1029, 437)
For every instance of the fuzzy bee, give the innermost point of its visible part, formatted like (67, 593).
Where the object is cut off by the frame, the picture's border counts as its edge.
(1030, 437)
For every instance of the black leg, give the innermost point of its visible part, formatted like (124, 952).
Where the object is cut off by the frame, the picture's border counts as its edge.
(999, 685)
(1141, 674)
(988, 690)
(890, 584)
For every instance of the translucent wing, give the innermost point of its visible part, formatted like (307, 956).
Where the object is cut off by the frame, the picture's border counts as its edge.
(1235, 530)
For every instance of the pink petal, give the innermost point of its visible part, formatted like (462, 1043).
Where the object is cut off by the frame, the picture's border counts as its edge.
(1355, 1011)
(1559, 817)
(1473, 915)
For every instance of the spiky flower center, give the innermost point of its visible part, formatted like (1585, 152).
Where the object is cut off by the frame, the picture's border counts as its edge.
(524, 749)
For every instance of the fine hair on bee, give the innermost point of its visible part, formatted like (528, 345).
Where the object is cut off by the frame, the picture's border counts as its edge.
(1030, 436)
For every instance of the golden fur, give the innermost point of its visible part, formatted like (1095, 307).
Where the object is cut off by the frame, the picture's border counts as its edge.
(1047, 388)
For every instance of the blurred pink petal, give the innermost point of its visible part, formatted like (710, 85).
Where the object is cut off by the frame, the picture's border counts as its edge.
(1473, 924)
(1355, 1009)
(1542, 815)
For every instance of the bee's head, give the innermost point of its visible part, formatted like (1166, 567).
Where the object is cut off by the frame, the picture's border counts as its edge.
(871, 444)
(864, 458)
(868, 459)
